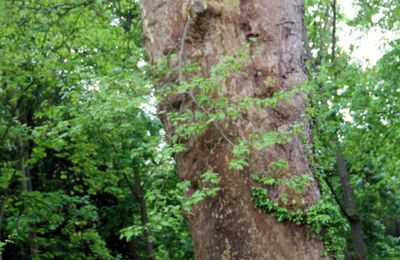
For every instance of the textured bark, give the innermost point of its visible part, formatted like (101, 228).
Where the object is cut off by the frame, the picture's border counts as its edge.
(229, 226)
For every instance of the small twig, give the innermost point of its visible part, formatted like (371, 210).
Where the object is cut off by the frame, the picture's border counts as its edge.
(48, 206)
(336, 198)
(208, 113)
(333, 53)
(182, 48)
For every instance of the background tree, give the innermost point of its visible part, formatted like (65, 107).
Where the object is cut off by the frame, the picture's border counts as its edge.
(77, 149)
(350, 106)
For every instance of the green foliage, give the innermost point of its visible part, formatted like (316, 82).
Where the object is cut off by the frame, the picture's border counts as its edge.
(73, 123)
(357, 109)
(240, 153)
(382, 13)
(210, 189)
(323, 218)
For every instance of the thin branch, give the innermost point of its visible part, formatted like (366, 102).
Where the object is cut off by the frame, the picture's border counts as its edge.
(130, 186)
(67, 7)
(182, 48)
(333, 54)
(336, 198)
(39, 201)
(208, 113)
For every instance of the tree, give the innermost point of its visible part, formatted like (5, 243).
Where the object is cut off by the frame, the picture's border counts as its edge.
(353, 110)
(348, 208)
(257, 151)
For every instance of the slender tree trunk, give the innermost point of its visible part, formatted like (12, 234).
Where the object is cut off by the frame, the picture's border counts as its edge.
(138, 193)
(3, 204)
(26, 185)
(352, 216)
(334, 17)
(350, 202)
(229, 226)
(132, 250)
(144, 216)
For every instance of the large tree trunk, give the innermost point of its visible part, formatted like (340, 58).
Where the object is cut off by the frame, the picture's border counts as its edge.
(229, 226)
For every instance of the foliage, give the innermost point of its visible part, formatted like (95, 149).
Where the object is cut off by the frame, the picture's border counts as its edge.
(74, 128)
(323, 218)
(356, 106)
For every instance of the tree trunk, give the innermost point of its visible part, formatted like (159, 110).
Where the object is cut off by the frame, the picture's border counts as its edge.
(351, 209)
(26, 184)
(144, 216)
(3, 204)
(138, 195)
(229, 226)
(350, 202)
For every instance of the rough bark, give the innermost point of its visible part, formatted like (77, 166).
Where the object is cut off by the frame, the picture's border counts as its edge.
(229, 226)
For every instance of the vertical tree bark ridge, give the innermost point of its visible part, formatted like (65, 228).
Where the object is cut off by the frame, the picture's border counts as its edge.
(229, 226)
